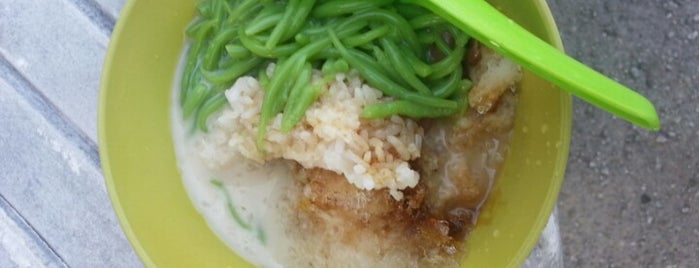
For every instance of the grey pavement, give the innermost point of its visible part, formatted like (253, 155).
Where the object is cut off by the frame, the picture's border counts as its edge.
(631, 197)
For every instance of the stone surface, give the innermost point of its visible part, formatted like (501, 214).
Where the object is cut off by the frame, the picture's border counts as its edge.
(57, 188)
(109, 8)
(60, 51)
(19, 246)
(631, 197)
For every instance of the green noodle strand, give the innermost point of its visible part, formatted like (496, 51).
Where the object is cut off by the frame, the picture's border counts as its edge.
(388, 42)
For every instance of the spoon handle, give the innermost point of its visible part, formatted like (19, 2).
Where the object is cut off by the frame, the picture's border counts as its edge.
(486, 24)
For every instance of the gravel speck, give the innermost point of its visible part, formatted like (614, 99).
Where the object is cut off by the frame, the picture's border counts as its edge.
(635, 72)
(693, 35)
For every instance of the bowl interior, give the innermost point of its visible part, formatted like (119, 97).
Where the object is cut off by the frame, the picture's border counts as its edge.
(156, 214)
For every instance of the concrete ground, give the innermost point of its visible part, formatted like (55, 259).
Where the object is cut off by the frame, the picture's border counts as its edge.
(631, 197)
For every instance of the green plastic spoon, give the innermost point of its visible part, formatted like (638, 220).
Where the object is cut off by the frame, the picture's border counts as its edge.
(495, 30)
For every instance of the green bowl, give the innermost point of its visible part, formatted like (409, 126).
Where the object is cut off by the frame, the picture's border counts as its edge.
(155, 211)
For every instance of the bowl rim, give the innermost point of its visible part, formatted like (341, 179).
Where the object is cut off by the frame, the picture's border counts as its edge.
(530, 240)
(115, 39)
